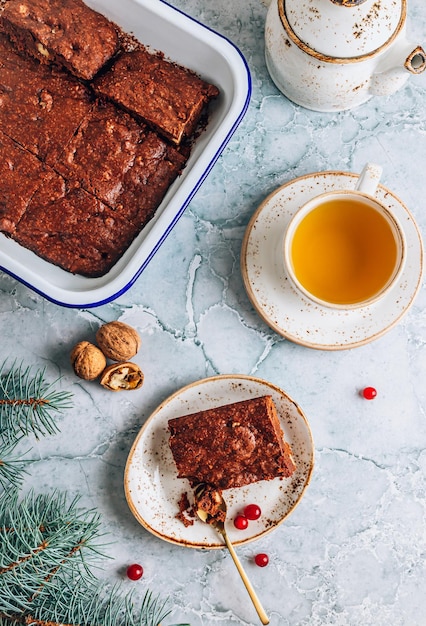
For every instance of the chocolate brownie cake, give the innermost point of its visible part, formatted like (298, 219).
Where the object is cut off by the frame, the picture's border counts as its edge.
(232, 445)
(39, 109)
(80, 174)
(21, 173)
(121, 162)
(156, 166)
(168, 97)
(73, 229)
(65, 32)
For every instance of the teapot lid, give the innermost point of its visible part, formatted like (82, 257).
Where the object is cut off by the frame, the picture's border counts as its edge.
(342, 29)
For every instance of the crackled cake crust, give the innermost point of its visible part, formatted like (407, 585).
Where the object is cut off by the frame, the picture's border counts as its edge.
(121, 162)
(21, 174)
(231, 445)
(39, 109)
(65, 32)
(73, 229)
(168, 97)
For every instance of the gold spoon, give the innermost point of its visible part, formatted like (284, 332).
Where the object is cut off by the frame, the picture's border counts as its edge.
(219, 525)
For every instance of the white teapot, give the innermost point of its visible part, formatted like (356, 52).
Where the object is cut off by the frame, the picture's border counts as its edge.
(332, 55)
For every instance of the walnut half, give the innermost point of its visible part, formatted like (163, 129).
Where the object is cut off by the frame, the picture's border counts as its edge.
(122, 376)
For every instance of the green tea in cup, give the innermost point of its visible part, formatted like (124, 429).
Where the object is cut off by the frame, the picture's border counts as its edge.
(344, 249)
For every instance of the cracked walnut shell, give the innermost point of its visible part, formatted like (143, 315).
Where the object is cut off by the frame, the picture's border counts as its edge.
(122, 376)
(118, 341)
(87, 360)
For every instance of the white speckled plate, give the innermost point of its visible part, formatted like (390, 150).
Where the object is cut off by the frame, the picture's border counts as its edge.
(287, 311)
(153, 489)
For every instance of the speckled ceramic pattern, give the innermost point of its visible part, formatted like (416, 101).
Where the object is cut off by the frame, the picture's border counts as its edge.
(331, 58)
(344, 31)
(287, 311)
(153, 489)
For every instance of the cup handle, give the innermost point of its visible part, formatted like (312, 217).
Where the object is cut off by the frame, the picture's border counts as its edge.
(369, 178)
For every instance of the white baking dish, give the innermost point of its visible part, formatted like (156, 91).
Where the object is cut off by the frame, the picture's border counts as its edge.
(214, 58)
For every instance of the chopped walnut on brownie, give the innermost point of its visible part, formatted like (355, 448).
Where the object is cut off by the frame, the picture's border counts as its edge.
(39, 109)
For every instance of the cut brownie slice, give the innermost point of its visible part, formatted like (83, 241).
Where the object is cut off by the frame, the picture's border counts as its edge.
(168, 97)
(73, 229)
(232, 445)
(156, 166)
(66, 32)
(39, 109)
(121, 162)
(101, 152)
(21, 173)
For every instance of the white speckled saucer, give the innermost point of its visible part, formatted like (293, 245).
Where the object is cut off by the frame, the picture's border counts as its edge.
(153, 489)
(287, 311)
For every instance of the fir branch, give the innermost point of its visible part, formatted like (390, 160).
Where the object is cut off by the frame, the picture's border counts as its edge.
(82, 604)
(42, 537)
(76, 603)
(43, 560)
(27, 402)
(47, 545)
(28, 620)
(6, 621)
(11, 468)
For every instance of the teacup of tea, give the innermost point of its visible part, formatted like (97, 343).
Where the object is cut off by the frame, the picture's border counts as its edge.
(345, 249)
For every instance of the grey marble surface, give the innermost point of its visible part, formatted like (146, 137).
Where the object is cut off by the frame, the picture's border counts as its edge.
(353, 551)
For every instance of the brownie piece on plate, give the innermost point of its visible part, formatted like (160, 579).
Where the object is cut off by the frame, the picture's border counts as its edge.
(39, 109)
(121, 162)
(167, 96)
(231, 445)
(73, 229)
(21, 173)
(64, 32)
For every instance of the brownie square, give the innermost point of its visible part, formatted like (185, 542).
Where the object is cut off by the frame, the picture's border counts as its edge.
(167, 96)
(65, 32)
(39, 109)
(101, 152)
(21, 173)
(121, 162)
(156, 166)
(73, 229)
(231, 445)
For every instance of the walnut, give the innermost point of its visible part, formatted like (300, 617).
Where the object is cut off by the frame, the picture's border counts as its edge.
(44, 51)
(24, 10)
(87, 360)
(122, 376)
(118, 341)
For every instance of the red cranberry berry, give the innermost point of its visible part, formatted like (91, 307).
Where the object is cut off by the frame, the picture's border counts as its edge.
(241, 522)
(252, 511)
(261, 560)
(369, 393)
(135, 571)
